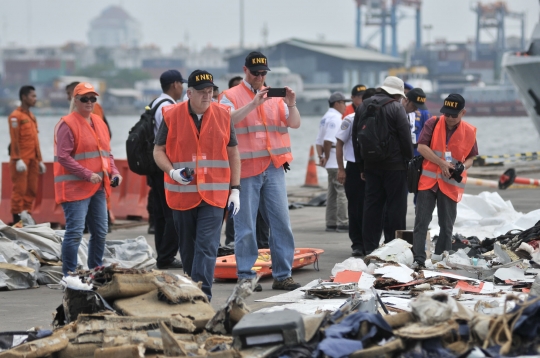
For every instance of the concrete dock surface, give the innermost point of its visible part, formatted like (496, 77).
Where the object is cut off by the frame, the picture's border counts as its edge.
(23, 309)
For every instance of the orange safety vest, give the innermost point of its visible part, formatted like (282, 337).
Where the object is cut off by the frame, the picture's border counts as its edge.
(98, 110)
(92, 148)
(460, 145)
(263, 135)
(205, 152)
(348, 110)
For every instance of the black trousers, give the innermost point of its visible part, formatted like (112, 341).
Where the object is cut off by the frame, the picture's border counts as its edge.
(165, 237)
(262, 231)
(355, 189)
(384, 188)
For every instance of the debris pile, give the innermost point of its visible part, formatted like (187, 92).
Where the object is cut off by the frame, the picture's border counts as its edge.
(32, 255)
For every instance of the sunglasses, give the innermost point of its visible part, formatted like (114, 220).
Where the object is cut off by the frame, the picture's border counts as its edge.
(453, 115)
(259, 73)
(88, 99)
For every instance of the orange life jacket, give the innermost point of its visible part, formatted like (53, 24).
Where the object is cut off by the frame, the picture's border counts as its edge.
(348, 110)
(92, 148)
(205, 152)
(460, 145)
(263, 135)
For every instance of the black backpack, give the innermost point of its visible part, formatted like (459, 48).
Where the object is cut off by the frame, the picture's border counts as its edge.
(140, 143)
(372, 133)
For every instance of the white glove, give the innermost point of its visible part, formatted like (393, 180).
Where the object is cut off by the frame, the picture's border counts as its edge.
(176, 176)
(20, 166)
(42, 168)
(234, 202)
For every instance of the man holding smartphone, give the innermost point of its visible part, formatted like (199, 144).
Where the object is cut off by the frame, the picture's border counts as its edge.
(261, 124)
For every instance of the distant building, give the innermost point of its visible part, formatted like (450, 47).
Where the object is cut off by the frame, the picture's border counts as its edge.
(114, 27)
(323, 64)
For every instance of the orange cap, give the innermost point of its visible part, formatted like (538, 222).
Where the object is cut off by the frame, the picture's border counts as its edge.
(84, 88)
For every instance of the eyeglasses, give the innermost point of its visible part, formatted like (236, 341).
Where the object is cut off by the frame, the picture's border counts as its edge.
(88, 99)
(258, 73)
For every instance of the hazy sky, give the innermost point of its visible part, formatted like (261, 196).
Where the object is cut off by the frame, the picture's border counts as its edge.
(168, 23)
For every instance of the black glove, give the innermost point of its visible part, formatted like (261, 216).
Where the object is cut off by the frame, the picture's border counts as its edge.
(457, 171)
(286, 167)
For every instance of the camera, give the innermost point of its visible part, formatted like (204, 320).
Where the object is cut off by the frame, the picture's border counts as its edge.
(456, 172)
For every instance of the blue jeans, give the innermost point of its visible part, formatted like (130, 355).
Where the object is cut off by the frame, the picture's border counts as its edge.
(199, 230)
(268, 191)
(75, 213)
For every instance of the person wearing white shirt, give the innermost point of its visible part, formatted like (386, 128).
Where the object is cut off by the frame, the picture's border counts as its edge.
(336, 200)
(165, 237)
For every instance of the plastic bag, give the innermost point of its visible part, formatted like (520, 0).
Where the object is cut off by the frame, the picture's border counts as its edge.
(351, 264)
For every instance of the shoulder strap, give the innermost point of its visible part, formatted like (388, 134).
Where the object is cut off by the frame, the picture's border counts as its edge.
(154, 109)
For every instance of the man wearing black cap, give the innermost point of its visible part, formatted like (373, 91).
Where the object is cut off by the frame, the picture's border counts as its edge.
(165, 235)
(448, 145)
(261, 125)
(356, 96)
(196, 145)
(415, 106)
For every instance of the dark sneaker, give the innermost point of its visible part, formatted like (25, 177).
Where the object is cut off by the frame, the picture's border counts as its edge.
(331, 228)
(342, 228)
(287, 284)
(151, 229)
(357, 253)
(418, 266)
(256, 288)
(175, 264)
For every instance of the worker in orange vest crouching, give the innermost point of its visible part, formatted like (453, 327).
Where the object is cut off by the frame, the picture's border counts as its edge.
(448, 145)
(197, 150)
(25, 155)
(84, 172)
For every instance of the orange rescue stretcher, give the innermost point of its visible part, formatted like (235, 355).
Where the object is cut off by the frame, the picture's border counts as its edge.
(226, 265)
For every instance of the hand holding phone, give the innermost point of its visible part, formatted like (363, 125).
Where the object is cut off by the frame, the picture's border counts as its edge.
(276, 92)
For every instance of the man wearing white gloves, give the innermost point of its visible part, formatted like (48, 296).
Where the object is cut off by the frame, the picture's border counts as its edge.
(196, 144)
(25, 155)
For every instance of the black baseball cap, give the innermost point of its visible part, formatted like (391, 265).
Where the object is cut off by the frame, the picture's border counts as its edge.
(256, 61)
(200, 79)
(453, 104)
(171, 76)
(358, 90)
(418, 97)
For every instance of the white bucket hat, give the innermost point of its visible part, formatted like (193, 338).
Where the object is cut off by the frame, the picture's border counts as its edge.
(393, 85)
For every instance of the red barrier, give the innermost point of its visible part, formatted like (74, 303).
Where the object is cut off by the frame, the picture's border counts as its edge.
(45, 208)
(128, 201)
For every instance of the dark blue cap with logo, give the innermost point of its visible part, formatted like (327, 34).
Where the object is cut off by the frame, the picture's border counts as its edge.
(453, 104)
(171, 76)
(200, 79)
(256, 61)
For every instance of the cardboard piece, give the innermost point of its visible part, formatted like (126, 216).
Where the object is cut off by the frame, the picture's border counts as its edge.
(148, 305)
(399, 273)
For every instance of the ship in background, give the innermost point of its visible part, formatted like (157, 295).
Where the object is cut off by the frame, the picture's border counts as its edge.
(523, 68)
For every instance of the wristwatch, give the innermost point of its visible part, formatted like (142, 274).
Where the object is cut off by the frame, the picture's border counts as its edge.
(236, 187)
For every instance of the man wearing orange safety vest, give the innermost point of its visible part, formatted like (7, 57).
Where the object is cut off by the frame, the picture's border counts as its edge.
(448, 145)
(197, 150)
(25, 155)
(261, 125)
(356, 97)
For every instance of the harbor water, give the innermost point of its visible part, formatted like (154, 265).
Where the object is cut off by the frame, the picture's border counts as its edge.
(496, 135)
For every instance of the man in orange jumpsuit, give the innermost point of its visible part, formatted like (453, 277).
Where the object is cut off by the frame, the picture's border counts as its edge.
(25, 155)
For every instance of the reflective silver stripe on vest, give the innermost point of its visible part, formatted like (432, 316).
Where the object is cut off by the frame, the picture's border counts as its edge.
(71, 177)
(193, 188)
(260, 128)
(179, 165)
(433, 175)
(87, 155)
(265, 153)
(202, 164)
(440, 154)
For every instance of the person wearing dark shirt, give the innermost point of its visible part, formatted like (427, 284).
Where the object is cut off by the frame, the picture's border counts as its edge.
(386, 180)
(448, 145)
